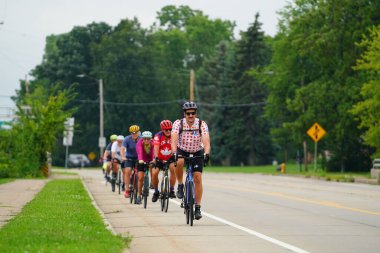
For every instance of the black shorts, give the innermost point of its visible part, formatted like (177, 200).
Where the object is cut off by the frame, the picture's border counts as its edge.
(142, 167)
(130, 163)
(160, 164)
(109, 158)
(119, 162)
(199, 161)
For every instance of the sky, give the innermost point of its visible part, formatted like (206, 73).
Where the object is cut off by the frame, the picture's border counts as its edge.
(24, 25)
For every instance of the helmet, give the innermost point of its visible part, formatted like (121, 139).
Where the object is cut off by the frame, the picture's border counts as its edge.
(120, 138)
(146, 134)
(166, 124)
(134, 128)
(189, 105)
(113, 137)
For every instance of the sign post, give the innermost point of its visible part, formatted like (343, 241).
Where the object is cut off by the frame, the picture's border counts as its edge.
(316, 132)
(68, 134)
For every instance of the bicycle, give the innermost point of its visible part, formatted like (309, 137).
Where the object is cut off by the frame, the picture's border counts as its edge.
(164, 191)
(188, 200)
(145, 188)
(133, 182)
(117, 179)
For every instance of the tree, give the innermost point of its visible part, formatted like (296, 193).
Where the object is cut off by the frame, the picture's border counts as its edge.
(368, 109)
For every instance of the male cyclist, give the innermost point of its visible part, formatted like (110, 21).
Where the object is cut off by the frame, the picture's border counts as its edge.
(162, 154)
(129, 145)
(118, 158)
(107, 164)
(190, 135)
(144, 149)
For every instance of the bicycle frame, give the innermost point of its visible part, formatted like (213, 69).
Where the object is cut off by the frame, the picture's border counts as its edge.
(189, 199)
(164, 194)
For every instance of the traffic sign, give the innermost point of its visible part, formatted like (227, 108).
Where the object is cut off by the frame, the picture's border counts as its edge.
(316, 132)
(102, 142)
(91, 156)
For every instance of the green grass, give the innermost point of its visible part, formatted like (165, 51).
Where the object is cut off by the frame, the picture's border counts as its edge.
(6, 180)
(291, 169)
(61, 218)
(65, 173)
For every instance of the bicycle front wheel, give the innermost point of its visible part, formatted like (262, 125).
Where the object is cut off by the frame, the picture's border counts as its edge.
(119, 181)
(191, 203)
(166, 195)
(146, 190)
(162, 195)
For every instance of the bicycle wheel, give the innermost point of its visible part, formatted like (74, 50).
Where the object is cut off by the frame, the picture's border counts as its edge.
(186, 204)
(162, 195)
(135, 188)
(146, 189)
(166, 195)
(119, 180)
(191, 202)
(113, 182)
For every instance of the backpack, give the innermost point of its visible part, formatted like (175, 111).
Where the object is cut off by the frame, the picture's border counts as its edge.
(199, 128)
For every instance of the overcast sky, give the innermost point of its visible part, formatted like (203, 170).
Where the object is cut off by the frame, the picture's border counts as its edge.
(24, 25)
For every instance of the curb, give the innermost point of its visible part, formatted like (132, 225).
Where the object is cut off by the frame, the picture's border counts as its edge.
(109, 226)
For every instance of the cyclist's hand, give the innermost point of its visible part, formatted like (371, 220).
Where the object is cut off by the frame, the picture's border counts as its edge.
(206, 158)
(141, 161)
(175, 157)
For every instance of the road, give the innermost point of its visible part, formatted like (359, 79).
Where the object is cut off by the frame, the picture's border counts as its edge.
(252, 213)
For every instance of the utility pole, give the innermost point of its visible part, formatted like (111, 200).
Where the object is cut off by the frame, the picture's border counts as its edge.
(26, 85)
(101, 117)
(192, 85)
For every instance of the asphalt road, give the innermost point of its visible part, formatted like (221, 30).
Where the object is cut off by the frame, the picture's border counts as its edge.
(251, 213)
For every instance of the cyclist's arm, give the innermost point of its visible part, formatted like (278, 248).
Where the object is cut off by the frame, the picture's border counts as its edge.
(122, 153)
(139, 150)
(174, 140)
(105, 154)
(156, 148)
(206, 138)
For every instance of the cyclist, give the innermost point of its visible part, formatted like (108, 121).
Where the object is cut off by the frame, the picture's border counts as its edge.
(117, 154)
(129, 144)
(190, 135)
(163, 153)
(144, 149)
(107, 164)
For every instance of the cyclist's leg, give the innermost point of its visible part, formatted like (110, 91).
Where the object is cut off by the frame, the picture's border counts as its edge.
(172, 175)
(198, 169)
(141, 179)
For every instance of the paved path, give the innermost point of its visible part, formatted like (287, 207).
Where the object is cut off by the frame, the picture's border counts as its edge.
(14, 195)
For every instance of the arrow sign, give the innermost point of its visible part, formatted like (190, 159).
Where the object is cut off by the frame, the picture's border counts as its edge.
(316, 132)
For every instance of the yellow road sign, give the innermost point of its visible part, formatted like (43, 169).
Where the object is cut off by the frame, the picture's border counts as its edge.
(316, 132)
(91, 156)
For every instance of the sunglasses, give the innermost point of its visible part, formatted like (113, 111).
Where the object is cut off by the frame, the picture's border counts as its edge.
(146, 139)
(168, 129)
(190, 113)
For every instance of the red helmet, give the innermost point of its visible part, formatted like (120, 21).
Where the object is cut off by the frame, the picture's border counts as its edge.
(166, 124)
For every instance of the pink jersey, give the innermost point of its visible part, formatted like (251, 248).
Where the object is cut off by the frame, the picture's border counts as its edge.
(164, 146)
(141, 154)
(190, 139)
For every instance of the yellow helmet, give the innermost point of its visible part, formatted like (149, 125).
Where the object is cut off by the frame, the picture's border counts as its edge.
(134, 128)
(113, 137)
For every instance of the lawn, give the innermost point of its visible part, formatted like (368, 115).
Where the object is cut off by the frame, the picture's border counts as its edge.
(61, 218)
(6, 180)
(291, 169)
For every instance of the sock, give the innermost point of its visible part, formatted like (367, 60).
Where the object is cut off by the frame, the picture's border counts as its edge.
(171, 188)
(197, 207)
(156, 190)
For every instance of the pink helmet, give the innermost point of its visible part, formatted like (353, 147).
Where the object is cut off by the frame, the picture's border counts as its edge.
(166, 124)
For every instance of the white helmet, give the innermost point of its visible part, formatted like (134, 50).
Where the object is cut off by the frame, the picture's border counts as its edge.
(146, 134)
(120, 138)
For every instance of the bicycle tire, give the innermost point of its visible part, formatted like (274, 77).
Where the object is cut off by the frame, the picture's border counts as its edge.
(191, 203)
(135, 188)
(186, 207)
(119, 181)
(113, 182)
(146, 190)
(166, 195)
(162, 196)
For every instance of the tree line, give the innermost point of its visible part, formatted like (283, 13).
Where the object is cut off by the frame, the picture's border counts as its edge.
(259, 94)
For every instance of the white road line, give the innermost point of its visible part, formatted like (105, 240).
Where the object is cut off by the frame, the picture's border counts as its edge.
(251, 232)
(247, 230)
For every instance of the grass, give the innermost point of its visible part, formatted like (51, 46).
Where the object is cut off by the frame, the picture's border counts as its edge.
(291, 169)
(65, 173)
(6, 180)
(61, 218)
